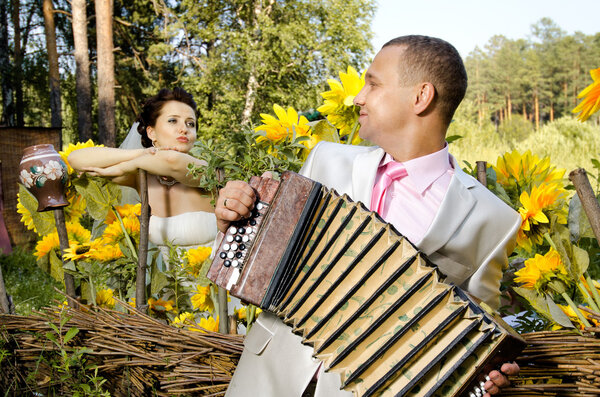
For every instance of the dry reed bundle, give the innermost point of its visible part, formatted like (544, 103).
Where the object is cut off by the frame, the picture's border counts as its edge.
(559, 363)
(136, 354)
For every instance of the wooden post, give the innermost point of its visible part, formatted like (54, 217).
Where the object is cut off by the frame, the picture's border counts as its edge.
(63, 238)
(140, 282)
(481, 172)
(4, 302)
(588, 199)
(224, 325)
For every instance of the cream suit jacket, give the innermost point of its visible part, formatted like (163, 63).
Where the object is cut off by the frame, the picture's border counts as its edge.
(469, 239)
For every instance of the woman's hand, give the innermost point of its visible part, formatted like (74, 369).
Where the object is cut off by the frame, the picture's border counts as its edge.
(113, 171)
(498, 379)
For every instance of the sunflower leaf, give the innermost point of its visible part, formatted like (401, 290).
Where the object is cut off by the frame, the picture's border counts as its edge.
(43, 221)
(99, 193)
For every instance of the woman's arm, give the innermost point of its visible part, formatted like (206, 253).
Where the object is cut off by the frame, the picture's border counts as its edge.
(169, 163)
(103, 156)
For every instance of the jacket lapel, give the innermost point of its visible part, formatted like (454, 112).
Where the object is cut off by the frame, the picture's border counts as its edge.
(364, 170)
(455, 207)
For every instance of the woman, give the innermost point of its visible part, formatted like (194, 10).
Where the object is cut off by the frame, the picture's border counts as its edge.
(181, 213)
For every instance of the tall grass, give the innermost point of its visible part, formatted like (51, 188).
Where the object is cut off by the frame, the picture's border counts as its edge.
(569, 143)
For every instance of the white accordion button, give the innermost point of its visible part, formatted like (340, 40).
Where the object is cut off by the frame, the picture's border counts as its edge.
(229, 238)
(230, 255)
(232, 230)
(226, 247)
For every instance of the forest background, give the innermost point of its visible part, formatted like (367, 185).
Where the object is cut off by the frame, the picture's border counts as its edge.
(240, 57)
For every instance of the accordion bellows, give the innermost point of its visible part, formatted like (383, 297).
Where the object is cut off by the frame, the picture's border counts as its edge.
(373, 307)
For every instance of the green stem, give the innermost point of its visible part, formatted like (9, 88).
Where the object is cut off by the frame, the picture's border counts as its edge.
(595, 293)
(127, 237)
(250, 313)
(213, 296)
(353, 133)
(583, 320)
(587, 296)
(92, 290)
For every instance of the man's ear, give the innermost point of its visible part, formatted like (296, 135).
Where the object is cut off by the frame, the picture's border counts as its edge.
(425, 93)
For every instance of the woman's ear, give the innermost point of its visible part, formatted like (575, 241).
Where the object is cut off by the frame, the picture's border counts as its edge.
(151, 134)
(424, 97)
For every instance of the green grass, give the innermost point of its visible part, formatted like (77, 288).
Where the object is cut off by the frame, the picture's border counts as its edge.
(30, 287)
(569, 143)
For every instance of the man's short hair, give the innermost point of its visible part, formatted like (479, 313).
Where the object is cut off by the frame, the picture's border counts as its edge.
(433, 60)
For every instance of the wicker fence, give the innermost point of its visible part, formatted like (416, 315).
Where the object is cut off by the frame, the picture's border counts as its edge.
(12, 142)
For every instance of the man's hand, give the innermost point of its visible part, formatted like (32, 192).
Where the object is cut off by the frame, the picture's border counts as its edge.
(236, 201)
(499, 380)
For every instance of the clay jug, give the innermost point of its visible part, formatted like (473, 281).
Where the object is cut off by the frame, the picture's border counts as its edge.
(43, 172)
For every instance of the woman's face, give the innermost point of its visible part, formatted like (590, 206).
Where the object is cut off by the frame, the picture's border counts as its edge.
(175, 127)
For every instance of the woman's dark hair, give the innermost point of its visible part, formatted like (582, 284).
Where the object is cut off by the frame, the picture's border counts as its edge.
(153, 106)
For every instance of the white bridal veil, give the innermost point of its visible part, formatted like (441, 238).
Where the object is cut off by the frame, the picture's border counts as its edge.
(133, 140)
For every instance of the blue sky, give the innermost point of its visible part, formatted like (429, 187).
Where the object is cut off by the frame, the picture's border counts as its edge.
(470, 23)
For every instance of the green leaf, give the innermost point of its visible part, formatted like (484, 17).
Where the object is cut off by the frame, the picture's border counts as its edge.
(43, 221)
(56, 266)
(453, 138)
(159, 279)
(579, 225)
(325, 131)
(70, 334)
(557, 315)
(100, 195)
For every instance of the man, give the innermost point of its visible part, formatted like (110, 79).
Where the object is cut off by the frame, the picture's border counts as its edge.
(411, 91)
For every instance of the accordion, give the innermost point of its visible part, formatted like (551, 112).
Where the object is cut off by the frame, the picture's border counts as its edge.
(374, 309)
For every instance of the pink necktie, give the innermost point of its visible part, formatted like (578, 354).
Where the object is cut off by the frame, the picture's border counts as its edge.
(393, 171)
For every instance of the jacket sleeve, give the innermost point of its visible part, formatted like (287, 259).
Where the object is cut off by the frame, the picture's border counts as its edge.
(485, 282)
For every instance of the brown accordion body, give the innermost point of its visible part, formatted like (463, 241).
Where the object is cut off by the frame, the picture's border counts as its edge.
(373, 307)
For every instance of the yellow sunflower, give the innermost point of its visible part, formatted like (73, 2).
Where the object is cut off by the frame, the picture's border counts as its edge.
(184, 319)
(26, 218)
(545, 202)
(591, 97)
(568, 310)
(516, 171)
(104, 298)
(338, 103)
(540, 270)
(48, 243)
(114, 233)
(125, 211)
(77, 251)
(286, 123)
(195, 259)
(160, 305)
(104, 252)
(201, 299)
(76, 233)
(208, 324)
(72, 147)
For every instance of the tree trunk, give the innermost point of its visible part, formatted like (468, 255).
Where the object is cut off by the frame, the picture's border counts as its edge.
(524, 111)
(53, 72)
(536, 106)
(82, 70)
(551, 111)
(106, 73)
(508, 107)
(18, 75)
(8, 105)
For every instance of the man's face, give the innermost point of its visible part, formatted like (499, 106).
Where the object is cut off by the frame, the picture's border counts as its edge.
(384, 100)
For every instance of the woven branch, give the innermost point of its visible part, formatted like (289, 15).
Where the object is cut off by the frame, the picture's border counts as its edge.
(136, 354)
(558, 363)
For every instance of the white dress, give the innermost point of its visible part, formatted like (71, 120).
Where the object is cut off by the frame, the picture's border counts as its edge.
(187, 230)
